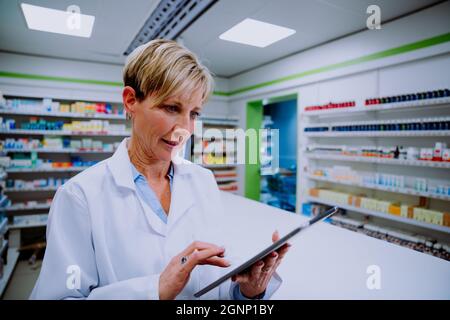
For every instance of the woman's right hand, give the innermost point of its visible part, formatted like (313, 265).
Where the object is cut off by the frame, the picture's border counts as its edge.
(176, 275)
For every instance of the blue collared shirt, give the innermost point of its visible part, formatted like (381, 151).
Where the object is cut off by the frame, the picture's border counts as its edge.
(146, 193)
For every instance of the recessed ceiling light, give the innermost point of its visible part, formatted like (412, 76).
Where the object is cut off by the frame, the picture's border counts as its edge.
(58, 21)
(256, 33)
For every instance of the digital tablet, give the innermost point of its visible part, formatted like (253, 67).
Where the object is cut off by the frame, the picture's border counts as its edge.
(275, 246)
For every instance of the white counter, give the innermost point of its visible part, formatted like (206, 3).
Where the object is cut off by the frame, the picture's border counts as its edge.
(328, 262)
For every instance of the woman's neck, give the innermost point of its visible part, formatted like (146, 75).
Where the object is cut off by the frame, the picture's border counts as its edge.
(153, 169)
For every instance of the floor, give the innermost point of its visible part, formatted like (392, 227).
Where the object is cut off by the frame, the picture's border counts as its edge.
(22, 281)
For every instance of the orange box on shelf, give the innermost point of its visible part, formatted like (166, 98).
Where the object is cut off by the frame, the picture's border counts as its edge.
(313, 192)
(447, 219)
(394, 209)
(350, 199)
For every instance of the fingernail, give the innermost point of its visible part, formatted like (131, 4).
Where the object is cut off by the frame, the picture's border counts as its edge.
(260, 263)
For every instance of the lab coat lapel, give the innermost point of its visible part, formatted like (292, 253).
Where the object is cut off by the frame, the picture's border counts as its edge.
(120, 168)
(182, 198)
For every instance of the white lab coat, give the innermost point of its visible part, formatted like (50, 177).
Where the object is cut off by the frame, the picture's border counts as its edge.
(100, 227)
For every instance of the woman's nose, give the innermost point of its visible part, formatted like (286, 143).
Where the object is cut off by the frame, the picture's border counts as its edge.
(180, 135)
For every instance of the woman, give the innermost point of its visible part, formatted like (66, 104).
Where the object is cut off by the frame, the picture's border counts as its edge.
(145, 224)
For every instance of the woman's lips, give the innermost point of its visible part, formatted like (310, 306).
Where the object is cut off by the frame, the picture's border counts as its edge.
(171, 144)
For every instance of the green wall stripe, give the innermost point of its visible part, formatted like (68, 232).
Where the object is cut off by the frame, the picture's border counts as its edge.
(374, 56)
(58, 79)
(73, 80)
(221, 93)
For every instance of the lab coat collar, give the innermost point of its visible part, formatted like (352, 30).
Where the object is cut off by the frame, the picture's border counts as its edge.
(119, 165)
(182, 198)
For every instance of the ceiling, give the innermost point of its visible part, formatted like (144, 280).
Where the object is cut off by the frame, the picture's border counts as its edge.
(117, 22)
(316, 22)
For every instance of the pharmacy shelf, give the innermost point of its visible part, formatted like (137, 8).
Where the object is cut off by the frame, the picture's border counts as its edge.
(226, 179)
(13, 256)
(31, 189)
(28, 208)
(27, 225)
(208, 122)
(381, 214)
(380, 107)
(198, 153)
(357, 134)
(63, 133)
(30, 170)
(215, 166)
(417, 163)
(64, 114)
(406, 191)
(65, 150)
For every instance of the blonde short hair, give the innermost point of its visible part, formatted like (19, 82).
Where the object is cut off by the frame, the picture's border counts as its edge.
(164, 68)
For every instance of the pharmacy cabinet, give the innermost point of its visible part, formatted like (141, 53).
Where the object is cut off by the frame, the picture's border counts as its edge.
(214, 146)
(46, 142)
(379, 147)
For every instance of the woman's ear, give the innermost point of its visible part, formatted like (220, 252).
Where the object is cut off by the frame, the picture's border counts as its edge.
(129, 100)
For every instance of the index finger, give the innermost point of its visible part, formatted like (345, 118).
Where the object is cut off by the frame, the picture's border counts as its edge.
(198, 257)
(198, 245)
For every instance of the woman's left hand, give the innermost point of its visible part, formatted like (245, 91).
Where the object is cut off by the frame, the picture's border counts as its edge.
(255, 281)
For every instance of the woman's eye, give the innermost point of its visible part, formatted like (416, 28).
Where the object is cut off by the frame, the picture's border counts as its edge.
(172, 108)
(195, 115)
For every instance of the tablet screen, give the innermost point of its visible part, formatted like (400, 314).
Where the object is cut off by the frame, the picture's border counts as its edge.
(273, 247)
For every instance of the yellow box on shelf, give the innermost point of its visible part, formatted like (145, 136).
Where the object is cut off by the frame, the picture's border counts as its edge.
(395, 209)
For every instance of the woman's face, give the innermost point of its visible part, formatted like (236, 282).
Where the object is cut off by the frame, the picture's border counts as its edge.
(162, 130)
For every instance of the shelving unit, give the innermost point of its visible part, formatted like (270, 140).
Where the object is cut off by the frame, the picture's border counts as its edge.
(360, 108)
(406, 191)
(353, 134)
(63, 115)
(31, 189)
(33, 170)
(330, 136)
(397, 162)
(217, 163)
(65, 150)
(22, 217)
(381, 215)
(27, 208)
(62, 133)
